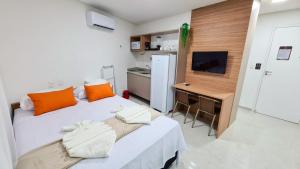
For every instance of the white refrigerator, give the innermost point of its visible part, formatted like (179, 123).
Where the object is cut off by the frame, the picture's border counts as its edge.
(163, 72)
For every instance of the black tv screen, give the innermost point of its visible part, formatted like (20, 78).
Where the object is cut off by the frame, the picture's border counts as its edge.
(214, 62)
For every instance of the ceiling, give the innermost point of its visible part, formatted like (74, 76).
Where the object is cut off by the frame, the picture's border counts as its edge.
(267, 6)
(139, 11)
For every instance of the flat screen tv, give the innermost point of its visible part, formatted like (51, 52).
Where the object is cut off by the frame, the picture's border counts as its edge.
(214, 62)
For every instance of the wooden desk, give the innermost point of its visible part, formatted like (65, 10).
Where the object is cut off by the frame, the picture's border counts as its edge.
(225, 97)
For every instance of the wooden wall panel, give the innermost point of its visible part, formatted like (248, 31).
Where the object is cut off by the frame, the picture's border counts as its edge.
(219, 27)
(182, 59)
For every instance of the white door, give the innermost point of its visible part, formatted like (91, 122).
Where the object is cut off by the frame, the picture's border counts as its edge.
(280, 90)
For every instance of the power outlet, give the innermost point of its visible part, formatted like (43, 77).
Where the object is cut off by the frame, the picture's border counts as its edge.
(51, 84)
(60, 83)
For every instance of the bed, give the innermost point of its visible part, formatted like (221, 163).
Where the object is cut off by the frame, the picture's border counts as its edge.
(149, 147)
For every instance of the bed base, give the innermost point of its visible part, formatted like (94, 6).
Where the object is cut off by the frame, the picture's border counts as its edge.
(171, 161)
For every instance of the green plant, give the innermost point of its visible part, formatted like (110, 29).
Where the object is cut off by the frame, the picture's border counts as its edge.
(184, 33)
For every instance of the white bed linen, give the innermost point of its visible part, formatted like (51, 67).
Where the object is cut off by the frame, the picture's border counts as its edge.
(149, 147)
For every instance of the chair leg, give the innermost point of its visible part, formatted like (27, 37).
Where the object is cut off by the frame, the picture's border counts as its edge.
(174, 109)
(187, 112)
(211, 125)
(195, 118)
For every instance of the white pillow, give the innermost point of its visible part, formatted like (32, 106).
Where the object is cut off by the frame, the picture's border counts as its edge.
(80, 91)
(95, 82)
(26, 103)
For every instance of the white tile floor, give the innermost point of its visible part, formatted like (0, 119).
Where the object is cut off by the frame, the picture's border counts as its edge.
(254, 141)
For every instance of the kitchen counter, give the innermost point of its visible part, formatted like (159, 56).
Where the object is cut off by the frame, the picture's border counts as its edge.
(140, 71)
(140, 74)
(139, 82)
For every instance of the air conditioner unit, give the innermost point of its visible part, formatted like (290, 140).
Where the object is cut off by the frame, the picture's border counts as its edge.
(95, 19)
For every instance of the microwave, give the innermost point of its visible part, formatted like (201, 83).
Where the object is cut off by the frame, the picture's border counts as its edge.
(136, 45)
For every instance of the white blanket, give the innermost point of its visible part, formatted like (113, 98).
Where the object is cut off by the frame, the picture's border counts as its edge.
(148, 147)
(89, 139)
(135, 114)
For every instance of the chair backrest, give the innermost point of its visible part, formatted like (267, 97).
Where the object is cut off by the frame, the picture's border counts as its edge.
(182, 96)
(207, 104)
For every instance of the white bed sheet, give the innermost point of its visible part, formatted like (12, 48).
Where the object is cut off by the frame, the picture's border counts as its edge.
(149, 147)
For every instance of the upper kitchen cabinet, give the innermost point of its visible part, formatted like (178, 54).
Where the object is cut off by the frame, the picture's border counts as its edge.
(161, 41)
(140, 42)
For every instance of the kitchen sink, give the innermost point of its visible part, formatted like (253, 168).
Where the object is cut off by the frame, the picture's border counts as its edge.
(137, 69)
(140, 70)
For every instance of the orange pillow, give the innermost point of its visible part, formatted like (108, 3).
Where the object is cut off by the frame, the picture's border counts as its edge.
(50, 101)
(97, 92)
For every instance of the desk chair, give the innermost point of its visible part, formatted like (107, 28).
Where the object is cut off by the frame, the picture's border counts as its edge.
(208, 106)
(184, 98)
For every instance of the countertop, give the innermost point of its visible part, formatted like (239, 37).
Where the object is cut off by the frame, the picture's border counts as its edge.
(205, 90)
(140, 74)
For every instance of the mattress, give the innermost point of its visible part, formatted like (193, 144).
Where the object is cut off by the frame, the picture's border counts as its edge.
(149, 147)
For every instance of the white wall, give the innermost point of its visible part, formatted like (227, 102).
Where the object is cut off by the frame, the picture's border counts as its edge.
(164, 24)
(7, 143)
(259, 52)
(246, 55)
(49, 41)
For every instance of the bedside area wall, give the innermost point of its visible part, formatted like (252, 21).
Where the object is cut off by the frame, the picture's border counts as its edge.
(64, 49)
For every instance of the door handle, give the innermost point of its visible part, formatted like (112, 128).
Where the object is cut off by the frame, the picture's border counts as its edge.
(268, 72)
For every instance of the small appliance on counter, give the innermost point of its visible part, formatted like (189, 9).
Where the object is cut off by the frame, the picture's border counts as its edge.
(147, 45)
(136, 45)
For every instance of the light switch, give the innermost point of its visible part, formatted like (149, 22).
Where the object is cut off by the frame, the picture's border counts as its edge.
(257, 66)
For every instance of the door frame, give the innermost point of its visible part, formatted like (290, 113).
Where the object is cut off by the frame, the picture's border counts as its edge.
(266, 61)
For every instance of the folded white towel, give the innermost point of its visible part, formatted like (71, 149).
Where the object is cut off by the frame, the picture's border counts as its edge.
(135, 114)
(89, 139)
(76, 125)
(117, 109)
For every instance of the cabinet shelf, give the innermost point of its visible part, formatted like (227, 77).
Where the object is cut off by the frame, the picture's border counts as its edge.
(141, 41)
